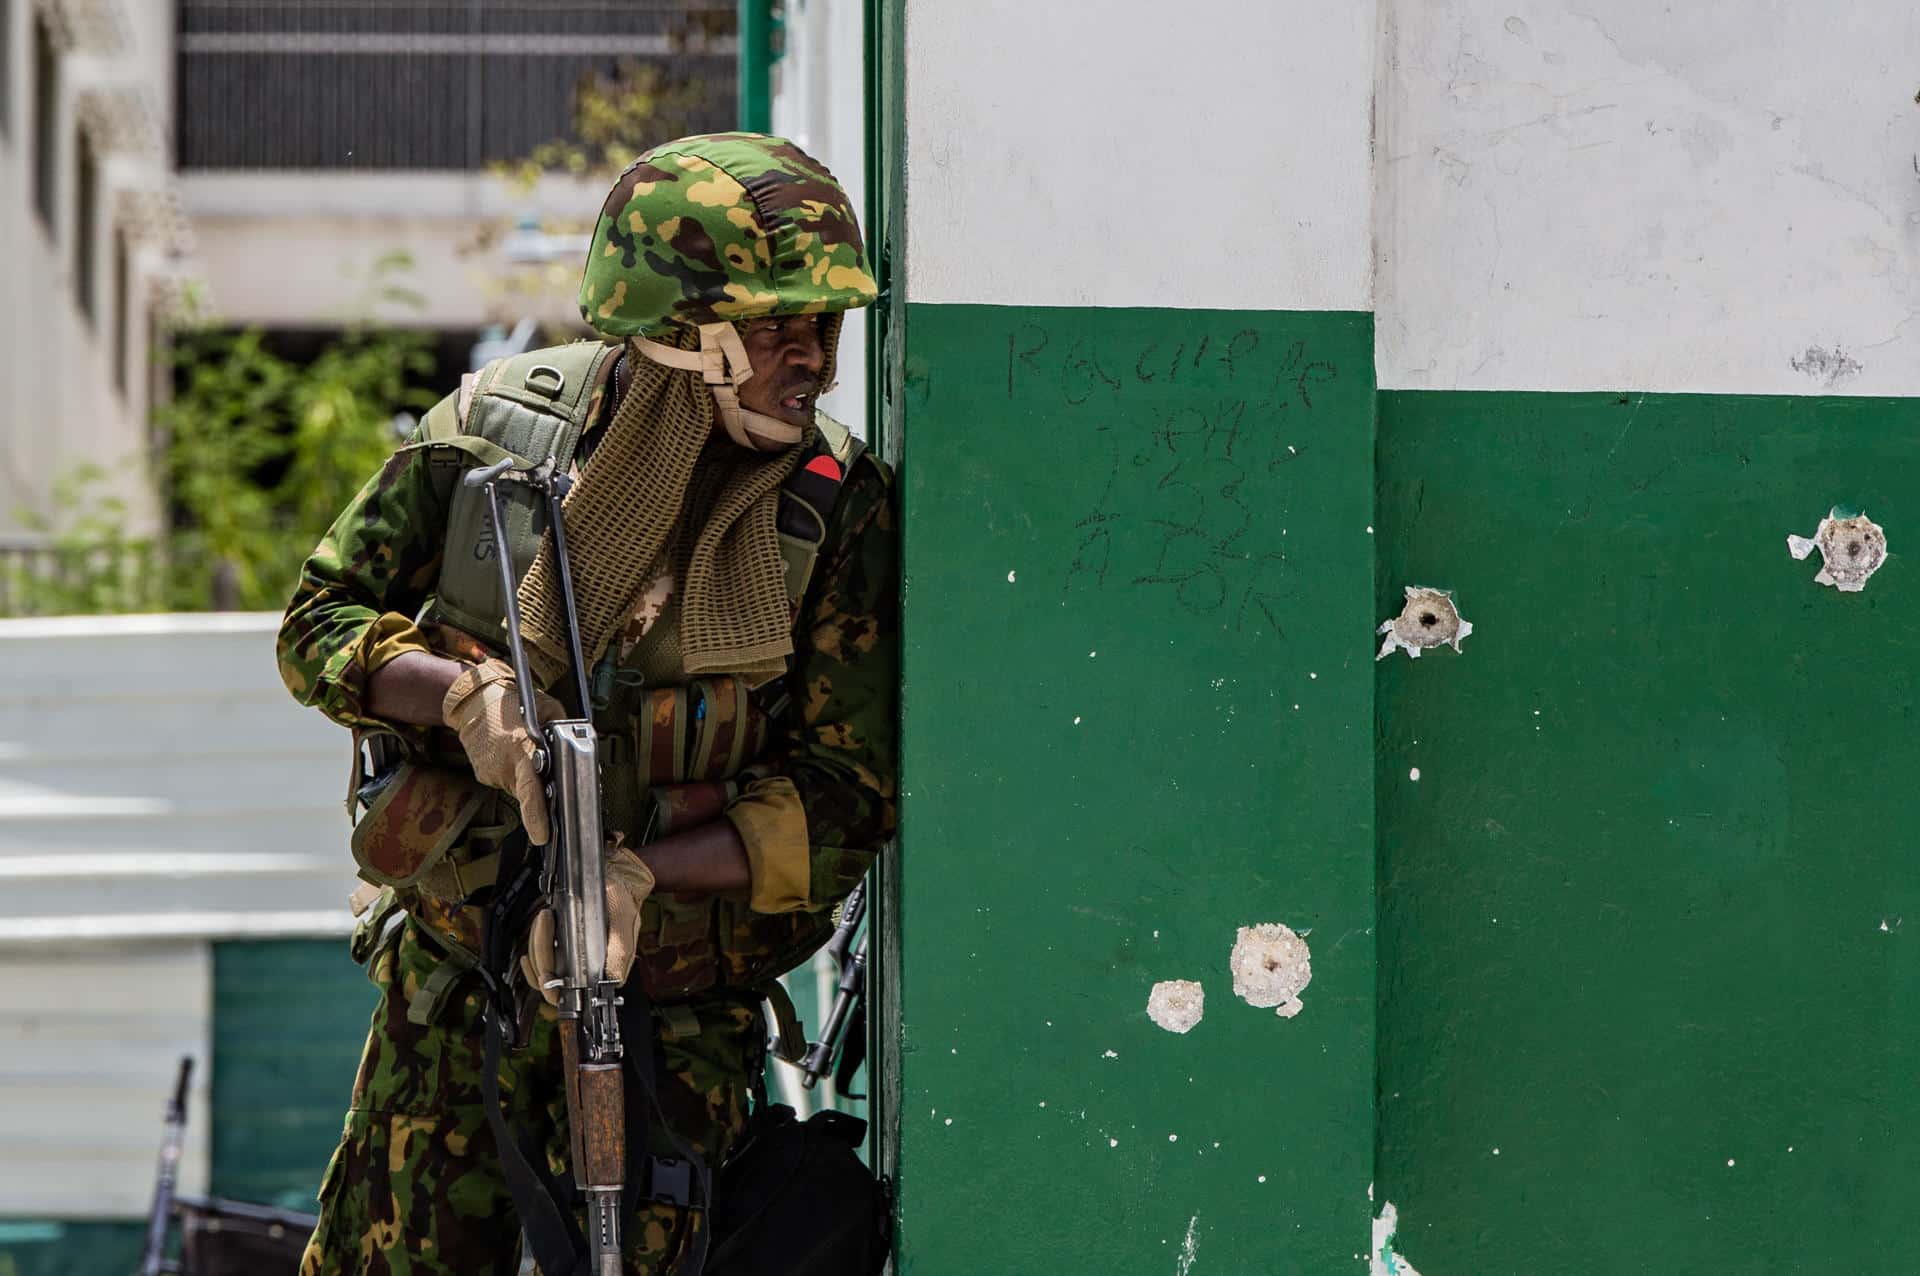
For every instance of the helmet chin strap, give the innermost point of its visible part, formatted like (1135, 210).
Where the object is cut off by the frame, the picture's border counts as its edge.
(722, 362)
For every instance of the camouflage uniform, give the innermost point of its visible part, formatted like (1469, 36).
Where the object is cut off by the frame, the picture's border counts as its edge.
(415, 1186)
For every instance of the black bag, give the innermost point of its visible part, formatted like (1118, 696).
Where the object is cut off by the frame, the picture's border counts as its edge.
(796, 1200)
(235, 1238)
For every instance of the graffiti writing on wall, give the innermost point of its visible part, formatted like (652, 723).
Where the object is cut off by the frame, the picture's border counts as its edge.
(1196, 440)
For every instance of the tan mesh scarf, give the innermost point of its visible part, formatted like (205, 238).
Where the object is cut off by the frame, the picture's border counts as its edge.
(734, 612)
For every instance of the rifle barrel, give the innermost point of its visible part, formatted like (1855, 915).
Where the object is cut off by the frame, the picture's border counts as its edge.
(160, 1213)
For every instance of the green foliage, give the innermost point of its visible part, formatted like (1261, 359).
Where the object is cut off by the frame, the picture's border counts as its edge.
(255, 456)
(85, 562)
(616, 116)
(261, 453)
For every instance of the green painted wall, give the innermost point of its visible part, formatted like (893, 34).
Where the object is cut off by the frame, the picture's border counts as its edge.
(289, 1020)
(1136, 540)
(46, 1247)
(1631, 912)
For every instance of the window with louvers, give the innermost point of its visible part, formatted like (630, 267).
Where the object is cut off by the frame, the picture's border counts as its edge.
(427, 84)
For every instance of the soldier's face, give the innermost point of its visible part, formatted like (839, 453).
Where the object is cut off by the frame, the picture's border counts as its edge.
(787, 358)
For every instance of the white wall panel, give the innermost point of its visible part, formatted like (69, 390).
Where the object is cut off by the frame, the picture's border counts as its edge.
(1633, 194)
(90, 1040)
(156, 779)
(1209, 154)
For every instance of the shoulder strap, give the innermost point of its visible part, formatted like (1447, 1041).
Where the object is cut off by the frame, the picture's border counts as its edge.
(840, 440)
(817, 481)
(537, 404)
(531, 407)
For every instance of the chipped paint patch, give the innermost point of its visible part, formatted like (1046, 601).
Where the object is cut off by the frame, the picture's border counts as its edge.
(1384, 1261)
(1176, 1004)
(1851, 549)
(1271, 967)
(1430, 619)
(1189, 1248)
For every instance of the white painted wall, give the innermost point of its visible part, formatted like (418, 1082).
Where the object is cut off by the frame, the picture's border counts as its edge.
(819, 101)
(157, 781)
(1638, 195)
(1209, 154)
(159, 790)
(90, 1044)
(1566, 194)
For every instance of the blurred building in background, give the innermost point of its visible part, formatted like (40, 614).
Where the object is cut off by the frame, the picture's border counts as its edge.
(318, 141)
(94, 240)
(287, 165)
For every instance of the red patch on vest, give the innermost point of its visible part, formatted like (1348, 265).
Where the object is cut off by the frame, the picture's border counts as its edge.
(825, 466)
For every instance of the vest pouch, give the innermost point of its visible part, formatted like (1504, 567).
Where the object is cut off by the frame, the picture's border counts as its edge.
(415, 821)
(727, 731)
(470, 594)
(660, 724)
(798, 556)
(676, 957)
(708, 730)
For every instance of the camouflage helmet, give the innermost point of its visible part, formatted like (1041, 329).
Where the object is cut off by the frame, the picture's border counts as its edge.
(719, 228)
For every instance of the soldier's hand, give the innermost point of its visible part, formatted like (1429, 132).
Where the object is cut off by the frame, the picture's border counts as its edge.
(629, 882)
(483, 707)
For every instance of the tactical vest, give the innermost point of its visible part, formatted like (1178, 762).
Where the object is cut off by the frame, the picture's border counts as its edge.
(535, 407)
(684, 750)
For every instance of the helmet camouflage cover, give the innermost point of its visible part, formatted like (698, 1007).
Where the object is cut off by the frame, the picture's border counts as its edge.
(722, 227)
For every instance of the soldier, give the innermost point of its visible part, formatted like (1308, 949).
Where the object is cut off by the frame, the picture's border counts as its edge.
(735, 558)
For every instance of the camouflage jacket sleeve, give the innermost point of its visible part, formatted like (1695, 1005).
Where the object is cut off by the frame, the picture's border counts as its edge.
(360, 588)
(838, 749)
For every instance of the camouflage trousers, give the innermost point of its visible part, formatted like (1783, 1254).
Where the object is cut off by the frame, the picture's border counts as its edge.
(415, 1187)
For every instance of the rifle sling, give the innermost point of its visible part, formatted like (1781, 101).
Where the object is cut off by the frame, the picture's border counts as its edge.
(545, 1204)
(551, 1232)
(650, 1177)
(558, 1247)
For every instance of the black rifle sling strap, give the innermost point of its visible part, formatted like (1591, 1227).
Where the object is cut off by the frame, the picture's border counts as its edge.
(686, 1182)
(551, 1232)
(543, 1203)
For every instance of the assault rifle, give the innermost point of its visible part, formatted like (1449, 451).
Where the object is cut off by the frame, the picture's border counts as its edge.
(166, 1178)
(573, 878)
(852, 960)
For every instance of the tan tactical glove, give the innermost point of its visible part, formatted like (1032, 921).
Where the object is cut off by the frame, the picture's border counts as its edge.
(483, 706)
(629, 882)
